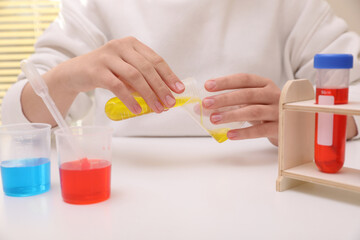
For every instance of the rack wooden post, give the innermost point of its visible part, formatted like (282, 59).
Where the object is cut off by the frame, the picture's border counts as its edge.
(296, 139)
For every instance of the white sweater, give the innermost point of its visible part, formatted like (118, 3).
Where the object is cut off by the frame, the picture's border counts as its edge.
(204, 39)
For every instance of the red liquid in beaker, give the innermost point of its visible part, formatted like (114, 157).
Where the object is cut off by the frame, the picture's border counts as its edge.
(83, 184)
(329, 158)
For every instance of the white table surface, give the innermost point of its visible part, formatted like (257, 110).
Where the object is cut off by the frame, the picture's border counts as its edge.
(190, 188)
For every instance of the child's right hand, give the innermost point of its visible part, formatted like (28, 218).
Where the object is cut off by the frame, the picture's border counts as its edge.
(123, 66)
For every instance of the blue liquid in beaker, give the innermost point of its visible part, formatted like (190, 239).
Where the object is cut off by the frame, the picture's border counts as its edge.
(25, 177)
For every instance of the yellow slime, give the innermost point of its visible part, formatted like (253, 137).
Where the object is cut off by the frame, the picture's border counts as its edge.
(220, 134)
(116, 110)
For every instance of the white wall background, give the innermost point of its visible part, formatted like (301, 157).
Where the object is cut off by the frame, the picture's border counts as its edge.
(348, 10)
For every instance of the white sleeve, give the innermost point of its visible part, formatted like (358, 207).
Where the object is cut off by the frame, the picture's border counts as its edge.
(318, 30)
(11, 106)
(76, 31)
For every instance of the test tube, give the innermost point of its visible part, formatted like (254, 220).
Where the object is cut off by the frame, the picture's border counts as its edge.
(332, 87)
(116, 110)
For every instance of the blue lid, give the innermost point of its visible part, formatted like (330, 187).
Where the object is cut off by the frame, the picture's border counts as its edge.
(337, 61)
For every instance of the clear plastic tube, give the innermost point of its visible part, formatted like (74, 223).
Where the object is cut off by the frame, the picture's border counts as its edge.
(40, 88)
(116, 110)
(332, 82)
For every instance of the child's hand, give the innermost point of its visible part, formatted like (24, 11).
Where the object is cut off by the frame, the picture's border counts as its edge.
(258, 101)
(124, 66)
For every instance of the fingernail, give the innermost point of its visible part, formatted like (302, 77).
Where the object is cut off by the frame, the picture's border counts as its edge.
(170, 100)
(159, 106)
(179, 86)
(232, 135)
(210, 84)
(137, 109)
(208, 102)
(216, 117)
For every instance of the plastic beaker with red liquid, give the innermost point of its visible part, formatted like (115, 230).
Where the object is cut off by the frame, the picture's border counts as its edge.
(88, 179)
(332, 87)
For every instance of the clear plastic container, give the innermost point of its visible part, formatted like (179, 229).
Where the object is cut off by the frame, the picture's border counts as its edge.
(25, 158)
(190, 100)
(332, 86)
(86, 180)
(202, 116)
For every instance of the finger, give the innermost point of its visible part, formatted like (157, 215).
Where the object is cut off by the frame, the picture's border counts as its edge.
(240, 80)
(112, 83)
(268, 129)
(151, 76)
(131, 76)
(248, 113)
(239, 97)
(162, 68)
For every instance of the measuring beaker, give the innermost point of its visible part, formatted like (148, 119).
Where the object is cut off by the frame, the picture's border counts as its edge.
(25, 158)
(86, 180)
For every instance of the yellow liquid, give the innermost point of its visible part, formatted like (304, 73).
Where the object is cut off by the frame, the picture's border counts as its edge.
(220, 134)
(116, 110)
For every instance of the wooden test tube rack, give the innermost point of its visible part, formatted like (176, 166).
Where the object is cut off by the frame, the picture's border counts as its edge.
(296, 139)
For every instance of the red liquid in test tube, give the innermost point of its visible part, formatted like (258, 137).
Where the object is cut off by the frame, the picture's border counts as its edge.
(330, 131)
(332, 88)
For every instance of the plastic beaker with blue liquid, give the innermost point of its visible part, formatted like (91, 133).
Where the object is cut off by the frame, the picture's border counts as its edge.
(25, 158)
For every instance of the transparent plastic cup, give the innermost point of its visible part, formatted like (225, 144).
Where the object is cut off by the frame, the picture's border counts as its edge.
(202, 116)
(88, 179)
(25, 158)
(332, 87)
